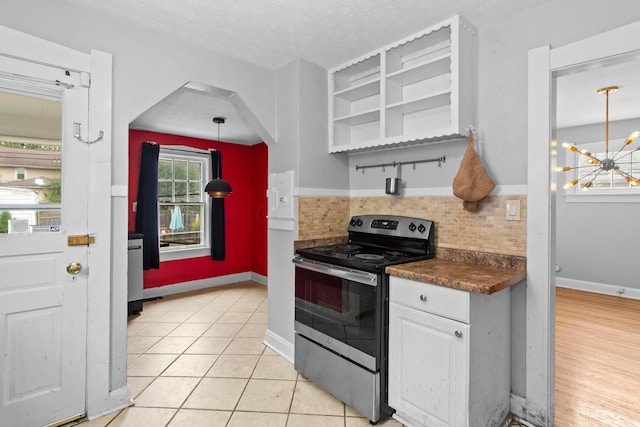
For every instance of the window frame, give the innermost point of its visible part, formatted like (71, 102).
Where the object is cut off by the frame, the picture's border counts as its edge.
(185, 153)
(17, 173)
(595, 195)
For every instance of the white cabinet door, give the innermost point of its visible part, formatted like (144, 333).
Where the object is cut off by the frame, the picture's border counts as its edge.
(428, 368)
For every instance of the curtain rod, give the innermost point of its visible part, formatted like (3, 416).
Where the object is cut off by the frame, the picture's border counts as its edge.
(440, 160)
(191, 151)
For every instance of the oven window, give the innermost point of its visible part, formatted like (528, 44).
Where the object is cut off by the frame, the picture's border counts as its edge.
(340, 308)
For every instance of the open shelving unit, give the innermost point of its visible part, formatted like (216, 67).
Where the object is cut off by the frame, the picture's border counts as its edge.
(406, 92)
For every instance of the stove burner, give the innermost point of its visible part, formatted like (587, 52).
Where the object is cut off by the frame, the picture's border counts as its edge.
(370, 257)
(396, 254)
(348, 248)
(323, 249)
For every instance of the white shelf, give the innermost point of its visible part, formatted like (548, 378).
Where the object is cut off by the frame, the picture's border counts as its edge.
(357, 119)
(421, 104)
(363, 90)
(437, 66)
(409, 91)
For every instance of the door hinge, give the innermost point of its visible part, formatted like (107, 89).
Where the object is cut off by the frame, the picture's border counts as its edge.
(81, 240)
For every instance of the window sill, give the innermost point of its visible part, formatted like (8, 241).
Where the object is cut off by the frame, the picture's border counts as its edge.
(184, 253)
(603, 197)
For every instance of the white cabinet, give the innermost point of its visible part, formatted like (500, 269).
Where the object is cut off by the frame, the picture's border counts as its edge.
(421, 88)
(449, 355)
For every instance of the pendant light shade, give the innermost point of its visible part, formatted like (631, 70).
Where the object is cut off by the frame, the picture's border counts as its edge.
(218, 188)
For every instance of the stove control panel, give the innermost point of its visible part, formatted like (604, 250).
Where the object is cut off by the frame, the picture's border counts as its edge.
(392, 225)
(384, 224)
(355, 222)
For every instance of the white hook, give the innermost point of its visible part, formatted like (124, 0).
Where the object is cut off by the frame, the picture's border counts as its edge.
(471, 129)
(76, 133)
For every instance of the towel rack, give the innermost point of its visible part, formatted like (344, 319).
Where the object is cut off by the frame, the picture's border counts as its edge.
(440, 161)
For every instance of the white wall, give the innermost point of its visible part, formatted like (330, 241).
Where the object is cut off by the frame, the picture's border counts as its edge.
(596, 247)
(301, 93)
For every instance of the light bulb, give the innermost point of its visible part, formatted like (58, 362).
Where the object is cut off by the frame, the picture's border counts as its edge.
(570, 147)
(587, 186)
(563, 168)
(633, 182)
(631, 137)
(571, 184)
(592, 161)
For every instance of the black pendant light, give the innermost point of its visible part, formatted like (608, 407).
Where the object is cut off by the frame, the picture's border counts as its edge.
(218, 188)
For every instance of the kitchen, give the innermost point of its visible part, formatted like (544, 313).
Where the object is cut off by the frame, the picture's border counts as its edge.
(298, 89)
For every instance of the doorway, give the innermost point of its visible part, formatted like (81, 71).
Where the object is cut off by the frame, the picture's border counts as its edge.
(542, 187)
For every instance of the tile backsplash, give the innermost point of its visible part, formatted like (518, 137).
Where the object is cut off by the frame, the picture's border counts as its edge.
(484, 231)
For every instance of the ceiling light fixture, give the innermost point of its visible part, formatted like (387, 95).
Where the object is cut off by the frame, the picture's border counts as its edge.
(218, 188)
(610, 162)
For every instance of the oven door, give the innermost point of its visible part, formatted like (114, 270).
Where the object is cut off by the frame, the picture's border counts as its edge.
(339, 309)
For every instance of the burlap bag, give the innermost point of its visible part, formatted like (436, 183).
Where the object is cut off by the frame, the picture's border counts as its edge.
(472, 183)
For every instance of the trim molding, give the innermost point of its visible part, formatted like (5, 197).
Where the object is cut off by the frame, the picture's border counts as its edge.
(278, 344)
(501, 190)
(518, 406)
(195, 285)
(321, 192)
(263, 280)
(119, 191)
(599, 288)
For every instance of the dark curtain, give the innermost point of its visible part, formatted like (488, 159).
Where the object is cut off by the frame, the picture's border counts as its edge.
(217, 213)
(147, 208)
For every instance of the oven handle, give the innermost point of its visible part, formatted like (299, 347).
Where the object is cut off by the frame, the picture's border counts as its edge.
(343, 273)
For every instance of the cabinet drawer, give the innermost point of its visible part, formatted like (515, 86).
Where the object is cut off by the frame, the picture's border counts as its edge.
(439, 300)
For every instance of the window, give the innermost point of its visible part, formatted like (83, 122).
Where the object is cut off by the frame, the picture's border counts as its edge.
(21, 173)
(607, 180)
(183, 211)
(608, 183)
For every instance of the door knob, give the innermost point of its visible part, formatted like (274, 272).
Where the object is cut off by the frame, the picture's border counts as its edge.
(74, 268)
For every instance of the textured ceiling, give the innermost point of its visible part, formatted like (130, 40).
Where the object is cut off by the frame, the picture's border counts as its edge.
(271, 33)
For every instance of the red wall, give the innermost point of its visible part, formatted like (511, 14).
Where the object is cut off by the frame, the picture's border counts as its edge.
(245, 168)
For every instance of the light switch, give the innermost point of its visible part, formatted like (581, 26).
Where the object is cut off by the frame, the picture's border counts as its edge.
(513, 210)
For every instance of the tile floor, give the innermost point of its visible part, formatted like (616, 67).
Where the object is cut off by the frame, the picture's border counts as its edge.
(198, 359)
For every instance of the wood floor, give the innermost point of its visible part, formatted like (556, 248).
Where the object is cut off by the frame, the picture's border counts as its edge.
(597, 360)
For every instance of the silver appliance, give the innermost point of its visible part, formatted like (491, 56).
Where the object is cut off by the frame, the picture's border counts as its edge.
(134, 273)
(341, 307)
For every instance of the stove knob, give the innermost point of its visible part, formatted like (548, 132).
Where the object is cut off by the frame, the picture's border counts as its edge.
(421, 228)
(412, 227)
(358, 222)
(352, 222)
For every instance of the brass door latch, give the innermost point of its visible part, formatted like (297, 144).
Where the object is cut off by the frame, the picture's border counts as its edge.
(81, 240)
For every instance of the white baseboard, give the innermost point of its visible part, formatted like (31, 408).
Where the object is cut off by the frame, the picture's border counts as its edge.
(278, 344)
(259, 278)
(195, 285)
(599, 288)
(518, 407)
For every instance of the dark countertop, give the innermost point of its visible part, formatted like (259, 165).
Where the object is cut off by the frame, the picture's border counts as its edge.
(471, 271)
(465, 276)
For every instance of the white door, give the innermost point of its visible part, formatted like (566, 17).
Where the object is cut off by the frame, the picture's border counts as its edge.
(43, 304)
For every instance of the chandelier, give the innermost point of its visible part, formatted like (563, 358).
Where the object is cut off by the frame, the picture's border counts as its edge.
(611, 162)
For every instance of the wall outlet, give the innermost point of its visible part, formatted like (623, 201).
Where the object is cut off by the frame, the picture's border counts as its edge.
(513, 210)
(135, 206)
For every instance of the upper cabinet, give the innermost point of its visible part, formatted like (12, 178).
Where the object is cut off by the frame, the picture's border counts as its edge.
(420, 89)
